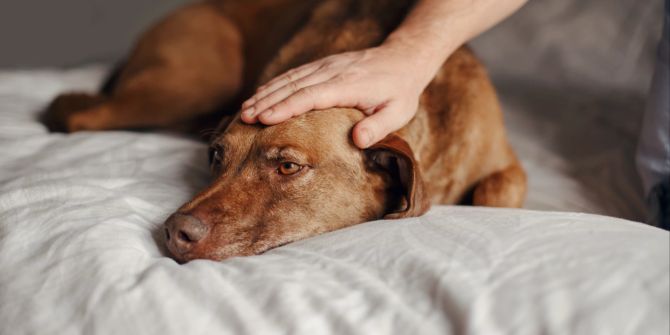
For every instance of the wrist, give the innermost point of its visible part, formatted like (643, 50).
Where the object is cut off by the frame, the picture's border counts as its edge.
(420, 62)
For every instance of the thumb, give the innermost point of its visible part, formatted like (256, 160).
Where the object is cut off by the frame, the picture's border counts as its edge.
(375, 127)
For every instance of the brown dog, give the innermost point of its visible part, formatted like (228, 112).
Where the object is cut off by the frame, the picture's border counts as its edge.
(303, 177)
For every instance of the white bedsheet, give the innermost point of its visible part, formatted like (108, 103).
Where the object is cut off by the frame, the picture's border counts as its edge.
(80, 219)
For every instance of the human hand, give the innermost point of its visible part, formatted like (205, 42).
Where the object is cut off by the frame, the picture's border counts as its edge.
(384, 82)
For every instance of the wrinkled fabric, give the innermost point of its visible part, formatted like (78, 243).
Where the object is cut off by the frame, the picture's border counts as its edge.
(81, 252)
(80, 215)
(453, 271)
(574, 79)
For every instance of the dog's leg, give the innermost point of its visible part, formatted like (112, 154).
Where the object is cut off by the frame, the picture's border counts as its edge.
(504, 188)
(186, 66)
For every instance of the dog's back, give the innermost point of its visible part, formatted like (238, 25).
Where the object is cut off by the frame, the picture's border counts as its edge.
(457, 136)
(304, 176)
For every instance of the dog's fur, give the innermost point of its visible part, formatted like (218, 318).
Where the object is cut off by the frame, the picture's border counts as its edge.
(214, 53)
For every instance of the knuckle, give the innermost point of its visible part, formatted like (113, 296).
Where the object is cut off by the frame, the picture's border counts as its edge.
(291, 75)
(327, 65)
(293, 87)
(249, 102)
(282, 107)
(261, 104)
(348, 76)
(330, 59)
(306, 92)
(358, 73)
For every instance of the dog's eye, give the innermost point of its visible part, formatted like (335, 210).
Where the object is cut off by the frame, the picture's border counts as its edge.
(214, 155)
(289, 168)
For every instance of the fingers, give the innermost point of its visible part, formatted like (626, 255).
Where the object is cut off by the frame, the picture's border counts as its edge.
(318, 96)
(288, 90)
(292, 75)
(283, 79)
(375, 127)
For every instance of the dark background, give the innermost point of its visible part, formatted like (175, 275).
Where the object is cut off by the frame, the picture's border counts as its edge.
(71, 32)
(593, 40)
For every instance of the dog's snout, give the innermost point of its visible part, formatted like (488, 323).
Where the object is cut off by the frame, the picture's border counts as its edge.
(183, 232)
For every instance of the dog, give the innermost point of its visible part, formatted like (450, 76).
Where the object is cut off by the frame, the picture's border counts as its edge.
(278, 184)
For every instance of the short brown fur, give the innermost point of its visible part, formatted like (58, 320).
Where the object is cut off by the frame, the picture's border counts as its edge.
(214, 53)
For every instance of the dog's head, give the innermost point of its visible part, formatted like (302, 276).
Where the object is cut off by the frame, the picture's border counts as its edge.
(274, 185)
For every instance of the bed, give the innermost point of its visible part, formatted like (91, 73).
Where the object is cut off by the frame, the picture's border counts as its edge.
(80, 218)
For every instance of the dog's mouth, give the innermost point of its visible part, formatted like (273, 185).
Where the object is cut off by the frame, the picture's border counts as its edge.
(228, 251)
(274, 247)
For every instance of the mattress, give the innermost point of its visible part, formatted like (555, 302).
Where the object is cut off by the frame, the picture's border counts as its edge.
(81, 215)
(81, 252)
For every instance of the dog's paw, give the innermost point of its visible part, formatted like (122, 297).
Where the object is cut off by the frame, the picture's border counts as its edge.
(71, 112)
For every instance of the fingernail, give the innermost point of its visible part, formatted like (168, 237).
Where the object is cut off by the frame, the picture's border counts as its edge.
(269, 112)
(249, 111)
(367, 137)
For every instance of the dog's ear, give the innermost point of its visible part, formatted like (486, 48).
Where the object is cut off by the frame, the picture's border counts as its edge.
(395, 157)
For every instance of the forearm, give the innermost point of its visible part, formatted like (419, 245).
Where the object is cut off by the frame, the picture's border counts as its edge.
(435, 28)
(398, 70)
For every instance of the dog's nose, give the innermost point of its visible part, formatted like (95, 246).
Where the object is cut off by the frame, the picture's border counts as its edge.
(182, 232)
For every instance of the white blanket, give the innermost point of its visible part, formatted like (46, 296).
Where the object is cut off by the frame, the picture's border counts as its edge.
(80, 248)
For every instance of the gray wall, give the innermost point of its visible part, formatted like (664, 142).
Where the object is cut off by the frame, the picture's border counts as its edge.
(548, 39)
(69, 32)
